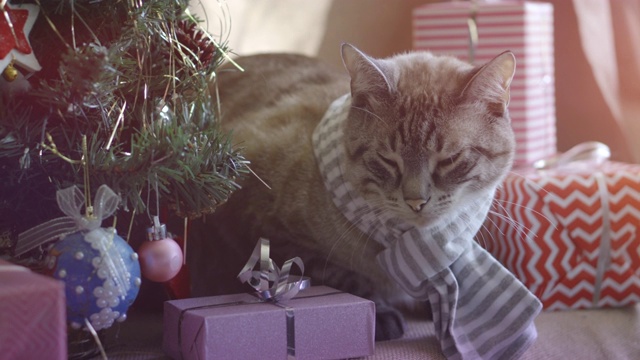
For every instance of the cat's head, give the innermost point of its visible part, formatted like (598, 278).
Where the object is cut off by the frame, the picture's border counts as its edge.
(427, 133)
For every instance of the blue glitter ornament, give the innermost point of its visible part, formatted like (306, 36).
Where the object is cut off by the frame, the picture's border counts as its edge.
(101, 273)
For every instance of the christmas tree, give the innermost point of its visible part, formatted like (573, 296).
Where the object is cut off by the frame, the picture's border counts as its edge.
(137, 80)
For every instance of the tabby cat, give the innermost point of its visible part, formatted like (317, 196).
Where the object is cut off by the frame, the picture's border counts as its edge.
(425, 133)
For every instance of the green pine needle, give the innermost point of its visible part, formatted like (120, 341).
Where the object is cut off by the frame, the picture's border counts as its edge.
(119, 73)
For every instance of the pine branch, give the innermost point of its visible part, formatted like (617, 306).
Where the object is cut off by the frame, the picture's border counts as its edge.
(133, 77)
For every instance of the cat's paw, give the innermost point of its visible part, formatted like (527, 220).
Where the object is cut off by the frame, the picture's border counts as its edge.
(389, 323)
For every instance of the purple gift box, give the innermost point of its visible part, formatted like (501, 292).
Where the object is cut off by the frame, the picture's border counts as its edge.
(33, 317)
(319, 323)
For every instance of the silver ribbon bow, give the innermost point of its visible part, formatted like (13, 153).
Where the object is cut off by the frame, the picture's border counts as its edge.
(70, 201)
(270, 282)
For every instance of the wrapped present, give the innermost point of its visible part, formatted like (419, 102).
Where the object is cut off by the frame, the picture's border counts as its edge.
(477, 31)
(319, 323)
(33, 321)
(570, 232)
(276, 322)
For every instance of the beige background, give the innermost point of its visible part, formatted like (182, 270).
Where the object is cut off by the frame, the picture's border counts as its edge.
(597, 47)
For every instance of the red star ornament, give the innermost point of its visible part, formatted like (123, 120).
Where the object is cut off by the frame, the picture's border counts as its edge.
(14, 45)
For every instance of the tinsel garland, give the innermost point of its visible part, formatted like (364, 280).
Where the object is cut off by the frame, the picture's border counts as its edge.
(134, 77)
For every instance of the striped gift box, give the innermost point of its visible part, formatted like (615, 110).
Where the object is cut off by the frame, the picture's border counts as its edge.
(525, 28)
(570, 234)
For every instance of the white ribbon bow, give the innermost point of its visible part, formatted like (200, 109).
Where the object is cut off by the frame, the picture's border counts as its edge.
(70, 201)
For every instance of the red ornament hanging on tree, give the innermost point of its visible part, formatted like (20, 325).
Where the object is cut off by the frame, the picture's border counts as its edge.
(161, 257)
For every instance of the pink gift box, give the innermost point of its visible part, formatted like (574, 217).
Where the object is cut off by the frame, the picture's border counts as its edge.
(319, 323)
(33, 320)
(525, 28)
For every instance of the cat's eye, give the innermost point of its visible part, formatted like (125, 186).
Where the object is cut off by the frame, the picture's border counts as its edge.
(390, 161)
(461, 172)
(449, 161)
(457, 168)
(384, 169)
(377, 169)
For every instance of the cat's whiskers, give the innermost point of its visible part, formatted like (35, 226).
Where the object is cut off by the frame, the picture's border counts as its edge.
(504, 215)
(350, 226)
(364, 238)
(486, 229)
(372, 114)
(369, 235)
(522, 231)
(529, 182)
(364, 246)
(538, 213)
(493, 222)
(479, 236)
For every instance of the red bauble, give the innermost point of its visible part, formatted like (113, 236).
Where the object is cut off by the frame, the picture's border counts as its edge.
(160, 260)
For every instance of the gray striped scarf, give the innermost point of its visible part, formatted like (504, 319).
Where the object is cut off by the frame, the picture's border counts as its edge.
(480, 310)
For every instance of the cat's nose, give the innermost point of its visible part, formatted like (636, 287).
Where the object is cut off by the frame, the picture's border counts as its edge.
(417, 204)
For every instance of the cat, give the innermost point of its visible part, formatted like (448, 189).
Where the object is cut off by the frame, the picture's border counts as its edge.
(425, 134)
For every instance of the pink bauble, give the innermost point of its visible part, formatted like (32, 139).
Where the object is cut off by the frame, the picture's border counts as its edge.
(160, 260)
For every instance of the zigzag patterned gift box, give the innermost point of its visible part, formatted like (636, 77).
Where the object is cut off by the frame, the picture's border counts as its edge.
(570, 234)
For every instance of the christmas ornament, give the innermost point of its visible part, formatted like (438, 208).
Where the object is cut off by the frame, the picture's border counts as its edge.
(179, 287)
(161, 257)
(101, 275)
(100, 270)
(10, 73)
(195, 44)
(16, 22)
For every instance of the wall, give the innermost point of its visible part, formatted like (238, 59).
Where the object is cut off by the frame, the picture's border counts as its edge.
(382, 28)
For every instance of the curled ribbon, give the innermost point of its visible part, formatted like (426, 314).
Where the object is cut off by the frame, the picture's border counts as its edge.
(472, 27)
(592, 153)
(270, 282)
(70, 201)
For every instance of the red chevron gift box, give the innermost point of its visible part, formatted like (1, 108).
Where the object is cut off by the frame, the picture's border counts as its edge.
(477, 31)
(570, 233)
(33, 319)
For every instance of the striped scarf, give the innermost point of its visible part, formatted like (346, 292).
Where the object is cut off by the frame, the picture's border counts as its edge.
(480, 310)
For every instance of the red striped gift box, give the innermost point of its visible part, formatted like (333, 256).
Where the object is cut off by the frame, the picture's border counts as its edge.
(525, 28)
(571, 234)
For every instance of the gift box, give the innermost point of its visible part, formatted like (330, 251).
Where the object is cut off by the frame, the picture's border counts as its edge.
(477, 31)
(33, 321)
(319, 323)
(570, 234)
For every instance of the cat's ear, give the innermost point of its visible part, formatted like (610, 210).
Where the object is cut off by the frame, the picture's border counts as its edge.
(492, 81)
(369, 76)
